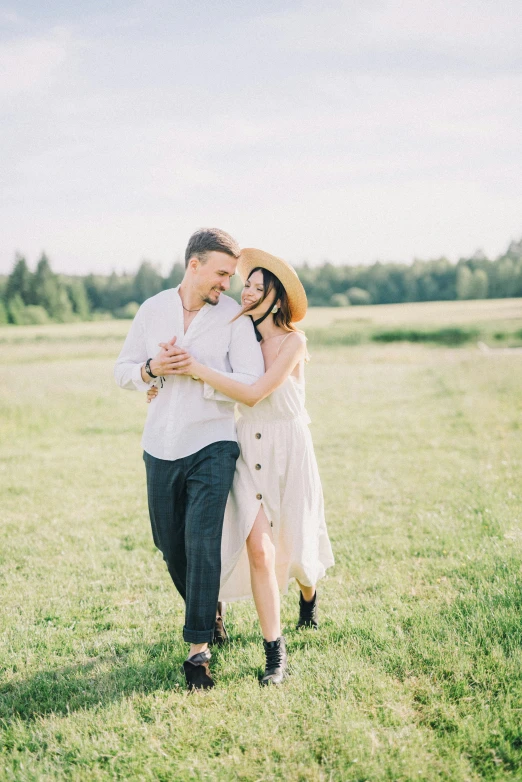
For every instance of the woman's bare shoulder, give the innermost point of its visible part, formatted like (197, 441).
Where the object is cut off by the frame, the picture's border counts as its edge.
(293, 341)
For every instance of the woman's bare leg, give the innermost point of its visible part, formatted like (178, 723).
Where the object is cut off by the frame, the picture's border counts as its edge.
(307, 592)
(261, 555)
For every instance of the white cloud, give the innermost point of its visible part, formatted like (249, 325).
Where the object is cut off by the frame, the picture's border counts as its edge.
(462, 28)
(29, 63)
(356, 130)
(10, 17)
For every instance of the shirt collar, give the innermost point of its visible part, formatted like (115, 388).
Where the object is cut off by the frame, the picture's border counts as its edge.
(196, 325)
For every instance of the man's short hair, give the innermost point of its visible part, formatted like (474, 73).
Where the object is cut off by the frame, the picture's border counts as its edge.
(208, 240)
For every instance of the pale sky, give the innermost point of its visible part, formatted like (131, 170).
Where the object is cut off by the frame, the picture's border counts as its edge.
(350, 131)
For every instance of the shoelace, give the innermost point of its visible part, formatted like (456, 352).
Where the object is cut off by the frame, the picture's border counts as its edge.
(274, 657)
(308, 610)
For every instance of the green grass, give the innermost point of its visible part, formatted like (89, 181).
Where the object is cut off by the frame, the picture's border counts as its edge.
(415, 673)
(496, 323)
(451, 336)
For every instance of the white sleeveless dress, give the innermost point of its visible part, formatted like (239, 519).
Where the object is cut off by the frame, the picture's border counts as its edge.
(277, 468)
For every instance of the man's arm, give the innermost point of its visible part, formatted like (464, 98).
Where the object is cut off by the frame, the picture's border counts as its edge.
(245, 357)
(129, 369)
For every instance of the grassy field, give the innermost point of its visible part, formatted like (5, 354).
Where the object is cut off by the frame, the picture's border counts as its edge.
(416, 671)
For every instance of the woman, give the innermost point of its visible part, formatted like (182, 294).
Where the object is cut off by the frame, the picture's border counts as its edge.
(276, 503)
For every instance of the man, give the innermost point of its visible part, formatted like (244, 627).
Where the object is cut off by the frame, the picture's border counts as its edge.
(189, 440)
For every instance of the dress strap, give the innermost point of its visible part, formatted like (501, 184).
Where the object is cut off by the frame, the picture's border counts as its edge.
(279, 348)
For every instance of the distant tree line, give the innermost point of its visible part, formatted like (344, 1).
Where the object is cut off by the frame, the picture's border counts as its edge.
(437, 280)
(43, 296)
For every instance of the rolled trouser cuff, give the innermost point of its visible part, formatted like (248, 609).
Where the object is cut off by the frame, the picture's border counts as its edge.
(198, 636)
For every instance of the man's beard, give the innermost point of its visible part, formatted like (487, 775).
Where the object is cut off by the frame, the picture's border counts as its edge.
(210, 301)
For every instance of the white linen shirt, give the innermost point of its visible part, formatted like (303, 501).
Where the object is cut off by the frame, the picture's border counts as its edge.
(187, 415)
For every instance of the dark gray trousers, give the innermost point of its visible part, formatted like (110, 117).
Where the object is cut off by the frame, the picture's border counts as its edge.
(187, 499)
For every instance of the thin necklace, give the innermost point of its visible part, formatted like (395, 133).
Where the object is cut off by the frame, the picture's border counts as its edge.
(186, 310)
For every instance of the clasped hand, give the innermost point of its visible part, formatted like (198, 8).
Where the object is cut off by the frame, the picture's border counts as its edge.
(173, 360)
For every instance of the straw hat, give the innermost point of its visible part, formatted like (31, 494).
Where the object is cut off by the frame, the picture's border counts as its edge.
(251, 259)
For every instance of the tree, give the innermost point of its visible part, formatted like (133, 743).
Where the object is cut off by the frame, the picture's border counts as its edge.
(358, 296)
(94, 289)
(147, 283)
(128, 311)
(79, 300)
(517, 287)
(411, 290)
(339, 300)
(479, 285)
(176, 275)
(503, 279)
(443, 275)
(21, 314)
(34, 315)
(114, 292)
(514, 251)
(61, 310)
(19, 281)
(464, 282)
(45, 288)
(49, 292)
(16, 309)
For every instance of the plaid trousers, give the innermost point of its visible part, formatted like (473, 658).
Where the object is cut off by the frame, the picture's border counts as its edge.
(187, 499)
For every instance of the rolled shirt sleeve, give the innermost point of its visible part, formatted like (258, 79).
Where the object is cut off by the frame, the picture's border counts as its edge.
(127, 370)
(245, 358)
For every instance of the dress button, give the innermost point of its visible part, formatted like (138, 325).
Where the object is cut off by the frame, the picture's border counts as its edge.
(259, 496)
(258, 435)
(258, 466)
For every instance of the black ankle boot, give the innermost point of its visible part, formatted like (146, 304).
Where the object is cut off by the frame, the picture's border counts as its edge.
(276, 660)
(308, 614)
(197, 672)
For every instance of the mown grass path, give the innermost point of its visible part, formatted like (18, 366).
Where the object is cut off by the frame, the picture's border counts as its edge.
(416, 670)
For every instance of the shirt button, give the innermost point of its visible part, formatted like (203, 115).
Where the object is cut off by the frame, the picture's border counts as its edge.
(258, 435)
(258, 466)
(259, 496)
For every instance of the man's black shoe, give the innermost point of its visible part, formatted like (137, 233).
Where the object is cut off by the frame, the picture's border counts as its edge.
(276, 661)
(197, 671)
(308, 614)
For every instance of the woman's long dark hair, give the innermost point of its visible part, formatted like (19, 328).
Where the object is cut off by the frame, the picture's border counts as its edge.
(283, 316)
